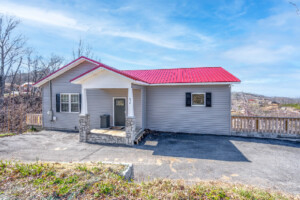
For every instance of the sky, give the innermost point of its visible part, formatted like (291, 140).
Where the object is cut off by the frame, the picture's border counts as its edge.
(257, 41)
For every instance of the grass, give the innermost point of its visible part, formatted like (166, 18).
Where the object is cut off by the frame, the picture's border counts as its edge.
(32, 129)
(6, 134)
(296, 106)
(102, 181)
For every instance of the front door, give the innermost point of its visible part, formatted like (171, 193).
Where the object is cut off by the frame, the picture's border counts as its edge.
(119, 111)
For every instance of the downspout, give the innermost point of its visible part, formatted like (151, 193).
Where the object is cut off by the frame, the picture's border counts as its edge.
(51, 110)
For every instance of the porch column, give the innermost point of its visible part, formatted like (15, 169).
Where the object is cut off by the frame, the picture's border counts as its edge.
(130, 103)
(84, 110)
(130, 119)
(84, 118)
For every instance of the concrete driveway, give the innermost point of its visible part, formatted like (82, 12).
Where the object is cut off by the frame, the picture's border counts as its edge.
(267, 163)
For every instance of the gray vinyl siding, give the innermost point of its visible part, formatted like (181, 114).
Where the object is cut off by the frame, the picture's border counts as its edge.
(166, 110)
(61, 84)
(100, 101)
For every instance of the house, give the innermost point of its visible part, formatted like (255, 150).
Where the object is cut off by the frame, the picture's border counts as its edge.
(188, 100)
(26, 87)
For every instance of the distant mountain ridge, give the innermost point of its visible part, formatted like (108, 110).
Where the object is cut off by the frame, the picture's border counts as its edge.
(280, 100)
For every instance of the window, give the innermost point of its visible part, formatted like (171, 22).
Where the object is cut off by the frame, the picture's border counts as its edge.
(120, 102)
(74, 103)
(198, 99)
(64, 99)
(69, 102)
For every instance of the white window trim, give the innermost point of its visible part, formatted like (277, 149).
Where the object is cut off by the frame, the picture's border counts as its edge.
(69, 103)
(198, 93)
(114, 108)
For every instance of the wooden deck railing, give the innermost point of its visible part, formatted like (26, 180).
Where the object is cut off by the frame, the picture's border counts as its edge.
(34, 119)
(284, 125)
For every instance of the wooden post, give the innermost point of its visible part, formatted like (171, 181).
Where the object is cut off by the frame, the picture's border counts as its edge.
(291, 125)
(276, 126)
(296, 126)
(257, 125)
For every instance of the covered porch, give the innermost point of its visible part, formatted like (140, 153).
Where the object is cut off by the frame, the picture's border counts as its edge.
(115, 96)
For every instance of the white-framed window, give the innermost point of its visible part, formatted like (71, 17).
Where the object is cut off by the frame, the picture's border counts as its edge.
(198, 99)
(69, 102)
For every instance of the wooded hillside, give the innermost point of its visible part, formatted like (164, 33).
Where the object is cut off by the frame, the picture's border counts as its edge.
(247, 104)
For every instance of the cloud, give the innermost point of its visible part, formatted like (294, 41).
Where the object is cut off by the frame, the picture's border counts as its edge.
(294, 75)
(259, 54)
(152, 39)
(231, 10)
(143, 63)
(158, 31)
(159, 39)
(283, 21)
(49, 17)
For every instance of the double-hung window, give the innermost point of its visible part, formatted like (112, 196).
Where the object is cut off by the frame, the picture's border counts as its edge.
(69, 102)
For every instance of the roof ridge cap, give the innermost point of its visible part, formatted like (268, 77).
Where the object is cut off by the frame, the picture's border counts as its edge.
(169, 68)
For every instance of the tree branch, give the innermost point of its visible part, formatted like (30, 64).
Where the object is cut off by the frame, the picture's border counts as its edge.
(296, 6)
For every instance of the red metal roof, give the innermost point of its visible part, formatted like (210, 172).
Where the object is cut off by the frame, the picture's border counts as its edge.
(183, 75)
(166, 76)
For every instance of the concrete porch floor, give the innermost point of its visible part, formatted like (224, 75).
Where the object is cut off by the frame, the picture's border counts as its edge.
(113, 132)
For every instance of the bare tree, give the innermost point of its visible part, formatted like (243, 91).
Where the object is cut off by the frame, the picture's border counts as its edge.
(14, 75)
(19, 65)
(44, 66)
(38, 67)
(11, 49)
(82, 50)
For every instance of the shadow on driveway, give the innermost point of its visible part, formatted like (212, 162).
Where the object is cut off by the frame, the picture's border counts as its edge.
(193, 146)
(210, 147)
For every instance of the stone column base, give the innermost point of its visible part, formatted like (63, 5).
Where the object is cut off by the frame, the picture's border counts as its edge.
(130, 129)
(84, 127)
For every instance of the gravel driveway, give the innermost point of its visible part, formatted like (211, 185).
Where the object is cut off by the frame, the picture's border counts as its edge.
(267, 163)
